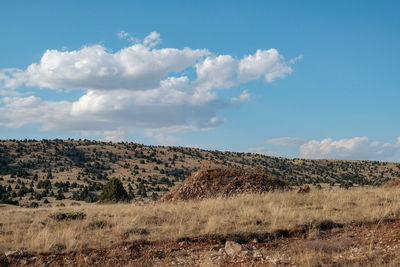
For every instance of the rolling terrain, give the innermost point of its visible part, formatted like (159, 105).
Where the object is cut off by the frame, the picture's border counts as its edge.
(35, 173)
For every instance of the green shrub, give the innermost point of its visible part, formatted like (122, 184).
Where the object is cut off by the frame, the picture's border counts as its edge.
(135, 231)
(113, 191)
(154, 196)
(62, 216)
(33, 205)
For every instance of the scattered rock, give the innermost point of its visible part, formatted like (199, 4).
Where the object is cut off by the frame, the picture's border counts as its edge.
(257, 254)
(183, 244)
(232, 248)
(215, 257)
(12, 253)
(245, 254)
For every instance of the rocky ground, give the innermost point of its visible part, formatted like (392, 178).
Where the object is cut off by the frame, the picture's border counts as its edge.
(372, 244)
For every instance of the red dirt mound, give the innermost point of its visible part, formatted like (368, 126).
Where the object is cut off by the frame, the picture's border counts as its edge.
(218, 182)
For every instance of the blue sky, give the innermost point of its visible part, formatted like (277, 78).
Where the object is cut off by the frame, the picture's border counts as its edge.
(313, 79)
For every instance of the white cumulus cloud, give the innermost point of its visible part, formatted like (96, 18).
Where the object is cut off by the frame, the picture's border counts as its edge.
(357, 148)
(264, 63)
(224, 71)
(137, 67)
(137, 87)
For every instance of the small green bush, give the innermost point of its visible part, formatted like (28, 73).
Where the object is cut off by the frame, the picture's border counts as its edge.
(135, 231)
(62, 216)
(113, 191)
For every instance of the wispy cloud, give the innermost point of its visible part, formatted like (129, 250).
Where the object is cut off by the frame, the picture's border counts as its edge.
(126, 36)
(285, 141)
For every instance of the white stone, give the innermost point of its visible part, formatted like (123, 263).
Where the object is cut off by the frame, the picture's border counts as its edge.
(12, 253)
(232, 248)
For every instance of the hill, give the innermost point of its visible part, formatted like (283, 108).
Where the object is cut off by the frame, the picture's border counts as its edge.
(35, 173)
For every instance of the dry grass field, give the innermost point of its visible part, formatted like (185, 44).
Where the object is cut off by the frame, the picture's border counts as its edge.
(107, 225)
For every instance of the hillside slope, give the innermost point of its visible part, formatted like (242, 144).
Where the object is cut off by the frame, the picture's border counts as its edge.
(38, 172)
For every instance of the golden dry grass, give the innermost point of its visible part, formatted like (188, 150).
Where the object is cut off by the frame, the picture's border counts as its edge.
(32, 229)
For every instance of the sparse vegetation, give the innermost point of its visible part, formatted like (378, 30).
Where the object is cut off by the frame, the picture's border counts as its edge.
(76, 170)
(99, 224)
(62, 216)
